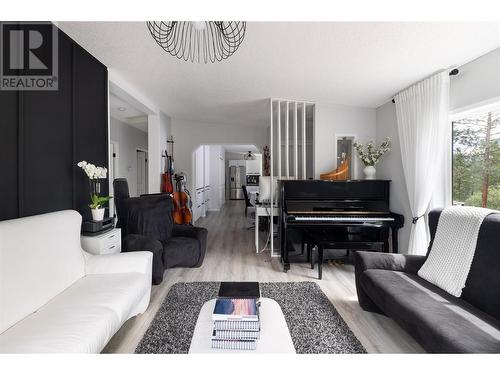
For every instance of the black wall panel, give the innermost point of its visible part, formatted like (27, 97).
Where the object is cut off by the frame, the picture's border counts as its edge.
(91, 138)
(8, 155)
(43, 134)
(47, 142)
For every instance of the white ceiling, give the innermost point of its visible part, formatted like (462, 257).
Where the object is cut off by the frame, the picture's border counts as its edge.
(125, 112)
(359, 64)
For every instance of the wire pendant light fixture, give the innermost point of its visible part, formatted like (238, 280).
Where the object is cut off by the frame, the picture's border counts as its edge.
(249, 156)
(207, 41)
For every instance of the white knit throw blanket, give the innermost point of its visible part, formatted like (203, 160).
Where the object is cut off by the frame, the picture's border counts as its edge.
(453, 249)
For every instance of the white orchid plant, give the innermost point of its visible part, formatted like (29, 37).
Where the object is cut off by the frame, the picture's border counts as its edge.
(369, 154)
(94, 174)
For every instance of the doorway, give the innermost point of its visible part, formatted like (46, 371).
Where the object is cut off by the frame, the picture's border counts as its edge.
(114, 167)
(142, 172)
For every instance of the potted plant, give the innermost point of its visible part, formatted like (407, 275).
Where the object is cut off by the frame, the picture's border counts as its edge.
(370, 155)
(96, 201)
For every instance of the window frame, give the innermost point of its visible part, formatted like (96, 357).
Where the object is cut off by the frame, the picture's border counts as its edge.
(467, 111)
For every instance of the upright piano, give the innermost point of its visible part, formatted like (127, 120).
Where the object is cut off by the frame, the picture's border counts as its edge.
(349, 215)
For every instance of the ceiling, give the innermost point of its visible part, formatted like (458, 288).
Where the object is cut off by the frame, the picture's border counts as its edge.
(125, 112)
(358, 64)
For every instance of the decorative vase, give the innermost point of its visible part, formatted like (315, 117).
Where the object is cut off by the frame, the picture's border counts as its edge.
(370, 172)
(97, 214)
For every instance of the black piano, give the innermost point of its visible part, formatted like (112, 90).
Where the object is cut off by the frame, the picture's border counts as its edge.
(347, 215)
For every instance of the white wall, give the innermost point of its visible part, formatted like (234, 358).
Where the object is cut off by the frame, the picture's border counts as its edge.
(189, 135)
(159, 129)
(129, 140)
(336, 120)
(478, 81)
(217, 177)
(165, 129)
(391, 168)
(159, 125)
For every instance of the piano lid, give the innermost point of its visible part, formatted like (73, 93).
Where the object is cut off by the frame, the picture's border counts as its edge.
(352, 190)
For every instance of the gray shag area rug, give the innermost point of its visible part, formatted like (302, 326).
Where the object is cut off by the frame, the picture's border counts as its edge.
(314, 323)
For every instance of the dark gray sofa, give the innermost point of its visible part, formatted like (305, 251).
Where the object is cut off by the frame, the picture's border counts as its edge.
(388, 284)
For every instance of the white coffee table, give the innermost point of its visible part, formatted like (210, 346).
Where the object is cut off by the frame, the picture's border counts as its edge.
(274, 334)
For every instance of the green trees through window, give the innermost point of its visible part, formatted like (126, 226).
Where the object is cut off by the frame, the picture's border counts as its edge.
(476, 160)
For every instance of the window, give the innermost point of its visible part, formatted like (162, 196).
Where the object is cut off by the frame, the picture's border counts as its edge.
(476, 159)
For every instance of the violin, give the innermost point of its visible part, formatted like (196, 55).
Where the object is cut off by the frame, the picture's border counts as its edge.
(182, 203)
(182, 214)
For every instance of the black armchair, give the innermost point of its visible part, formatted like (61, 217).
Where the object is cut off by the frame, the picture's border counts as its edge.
(147, 225)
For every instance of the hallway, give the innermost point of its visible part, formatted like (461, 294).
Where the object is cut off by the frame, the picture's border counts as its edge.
(231, 257)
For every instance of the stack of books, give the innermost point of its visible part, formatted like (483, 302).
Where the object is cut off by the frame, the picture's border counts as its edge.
(236, 317)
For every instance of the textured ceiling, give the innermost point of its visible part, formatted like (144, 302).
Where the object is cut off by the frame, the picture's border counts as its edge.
(359, 64)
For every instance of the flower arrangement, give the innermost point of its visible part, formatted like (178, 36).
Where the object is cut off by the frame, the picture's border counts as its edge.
(92, 171)
(94, 174)
(369, 154)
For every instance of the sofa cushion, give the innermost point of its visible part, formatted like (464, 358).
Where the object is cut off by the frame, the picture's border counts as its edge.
(150, 216)
(438, 321)
(482, 287)
(181, 252)
(40, 256)
(81, 319)
(454, 245)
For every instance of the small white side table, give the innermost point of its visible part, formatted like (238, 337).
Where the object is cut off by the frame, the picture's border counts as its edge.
(109, 242)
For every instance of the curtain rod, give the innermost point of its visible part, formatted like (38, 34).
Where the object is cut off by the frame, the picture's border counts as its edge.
(453, 72)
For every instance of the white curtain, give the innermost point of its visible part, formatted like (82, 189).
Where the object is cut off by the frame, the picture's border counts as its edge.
(423, 128)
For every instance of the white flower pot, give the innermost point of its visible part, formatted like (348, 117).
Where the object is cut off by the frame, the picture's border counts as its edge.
(97, 214)
(370, 172)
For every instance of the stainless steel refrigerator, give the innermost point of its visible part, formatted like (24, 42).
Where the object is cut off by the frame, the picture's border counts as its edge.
(236, 180)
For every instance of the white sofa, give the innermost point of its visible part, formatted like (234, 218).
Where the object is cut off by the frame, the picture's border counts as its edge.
(54, 297)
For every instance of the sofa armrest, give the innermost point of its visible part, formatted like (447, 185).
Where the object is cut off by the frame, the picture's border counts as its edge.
(139, 262)
(138, 242)
(366, 260)
(189, 231)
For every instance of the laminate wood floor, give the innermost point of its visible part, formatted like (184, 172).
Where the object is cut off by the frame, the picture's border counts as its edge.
(231, 257)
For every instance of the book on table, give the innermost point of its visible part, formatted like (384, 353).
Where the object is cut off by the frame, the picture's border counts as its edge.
(236, 309)
(239, 290)
(232, 325)
(236, 316)
(236, 324)
(235, 335)
(234, 344)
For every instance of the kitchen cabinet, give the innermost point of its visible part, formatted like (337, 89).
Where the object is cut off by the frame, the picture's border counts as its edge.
(254, 166)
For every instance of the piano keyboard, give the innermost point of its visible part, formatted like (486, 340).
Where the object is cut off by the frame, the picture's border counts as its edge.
(343, 218)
